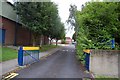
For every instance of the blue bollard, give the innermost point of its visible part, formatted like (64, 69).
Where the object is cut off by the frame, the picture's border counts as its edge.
(20, 56)
(87, 60)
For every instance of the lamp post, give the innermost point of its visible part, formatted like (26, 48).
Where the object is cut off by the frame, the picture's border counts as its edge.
(16, 28)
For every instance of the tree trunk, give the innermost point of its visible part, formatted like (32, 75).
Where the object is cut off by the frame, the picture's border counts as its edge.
(34, 39)
(56, 42)
(34, 44)
(44, 40)
(50, 41)
(41, 42)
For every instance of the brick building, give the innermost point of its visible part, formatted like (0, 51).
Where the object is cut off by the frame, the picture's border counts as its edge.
(68, 40)
(11, 30)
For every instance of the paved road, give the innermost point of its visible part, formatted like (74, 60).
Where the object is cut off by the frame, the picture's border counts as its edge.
(62, 64)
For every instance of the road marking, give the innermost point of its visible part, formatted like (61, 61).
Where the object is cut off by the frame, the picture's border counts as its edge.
(12, 75)
(64, 50)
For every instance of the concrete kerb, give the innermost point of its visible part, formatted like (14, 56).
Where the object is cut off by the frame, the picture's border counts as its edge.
(44, 56)
(87, 72)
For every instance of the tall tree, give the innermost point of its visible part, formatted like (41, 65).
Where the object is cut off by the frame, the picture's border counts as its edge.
(58, 31)
(36, 16)
(72, 18)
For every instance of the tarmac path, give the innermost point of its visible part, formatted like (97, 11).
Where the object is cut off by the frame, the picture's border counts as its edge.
(61, 64)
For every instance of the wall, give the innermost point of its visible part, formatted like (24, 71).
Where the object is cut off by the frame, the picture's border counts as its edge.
(104, 62)
(9, 27)
(8, 18)
(24, 36)
(8, 10)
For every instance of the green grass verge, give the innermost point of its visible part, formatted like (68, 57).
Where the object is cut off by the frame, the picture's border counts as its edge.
(0, 54)
(105, 78)
(47, 47)
(8, 54)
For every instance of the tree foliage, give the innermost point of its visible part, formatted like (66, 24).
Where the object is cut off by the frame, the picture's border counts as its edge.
(40, 17)
(58, 31)
(99, 23)
(71, 19)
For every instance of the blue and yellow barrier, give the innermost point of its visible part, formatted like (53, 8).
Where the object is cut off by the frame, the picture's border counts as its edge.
(87, 51)
(28, 55)
(30, 48)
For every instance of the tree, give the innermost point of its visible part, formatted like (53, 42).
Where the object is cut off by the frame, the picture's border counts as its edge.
(71, 19)
(36, 16)
(58, 32)
(74, 37)
(52, 15)
(50, 19)
(52, 22)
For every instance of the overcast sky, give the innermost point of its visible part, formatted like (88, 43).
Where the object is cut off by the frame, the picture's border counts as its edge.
(63, 7)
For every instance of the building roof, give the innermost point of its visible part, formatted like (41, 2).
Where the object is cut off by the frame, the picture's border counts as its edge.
(68, 38)
(8, 11)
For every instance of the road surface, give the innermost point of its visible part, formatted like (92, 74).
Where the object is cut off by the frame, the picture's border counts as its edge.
(62, 64)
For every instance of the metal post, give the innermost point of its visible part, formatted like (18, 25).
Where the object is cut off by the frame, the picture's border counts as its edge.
(20, 56)
(87, 60)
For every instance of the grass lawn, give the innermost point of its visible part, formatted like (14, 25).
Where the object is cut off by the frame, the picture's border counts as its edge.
(8, 53)
(105, 78)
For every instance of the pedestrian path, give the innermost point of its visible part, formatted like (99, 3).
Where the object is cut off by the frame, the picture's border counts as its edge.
(10, 65)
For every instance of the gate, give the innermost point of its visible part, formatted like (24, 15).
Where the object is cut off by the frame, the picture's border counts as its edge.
(28, 55)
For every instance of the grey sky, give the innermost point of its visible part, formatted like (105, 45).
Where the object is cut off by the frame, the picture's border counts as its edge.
(63, 6)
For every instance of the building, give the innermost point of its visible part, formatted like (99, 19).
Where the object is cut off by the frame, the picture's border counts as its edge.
(12, 31)
(68, 40)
